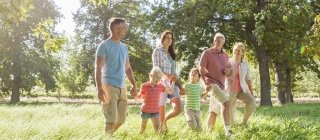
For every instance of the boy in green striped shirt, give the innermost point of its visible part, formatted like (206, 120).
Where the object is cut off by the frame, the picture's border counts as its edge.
(194, 91)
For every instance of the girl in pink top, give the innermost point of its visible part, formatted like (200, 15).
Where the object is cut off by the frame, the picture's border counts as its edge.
(150, 94)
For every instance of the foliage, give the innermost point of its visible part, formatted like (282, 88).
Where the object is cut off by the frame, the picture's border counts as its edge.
(14, 11)
(27, 50)
(307, 84)
(273, 31)
(92, 28)
(72, 75)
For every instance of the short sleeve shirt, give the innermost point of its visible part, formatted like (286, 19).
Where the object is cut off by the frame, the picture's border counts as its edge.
(215, 62)
(193, 95)
(151, 97)
(115, 55)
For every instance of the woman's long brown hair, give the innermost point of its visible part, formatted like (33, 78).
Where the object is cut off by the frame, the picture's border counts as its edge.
(170, 49)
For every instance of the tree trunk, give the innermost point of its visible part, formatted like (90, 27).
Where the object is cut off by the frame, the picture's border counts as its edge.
(261, 56)
(280, 82)
(263, 64)
(264, 77)
(15, 96)
(289, 96)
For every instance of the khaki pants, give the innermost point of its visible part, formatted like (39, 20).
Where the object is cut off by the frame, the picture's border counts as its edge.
(193, 119)
(116, 106)
(218, 94)
(247, 98)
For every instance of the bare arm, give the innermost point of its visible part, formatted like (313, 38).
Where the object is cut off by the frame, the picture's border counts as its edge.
(99, 64)
(204, 71)
(248, 79)
(130, 76)
(170, 89)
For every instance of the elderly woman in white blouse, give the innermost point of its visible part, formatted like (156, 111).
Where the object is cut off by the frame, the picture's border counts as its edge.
(239, 84)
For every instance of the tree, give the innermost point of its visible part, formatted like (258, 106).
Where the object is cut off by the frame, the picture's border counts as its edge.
(92, 28)
(10, 12)
(28, 47)
(263, 25)
(197, 21)
(73, 73)
(283, 27)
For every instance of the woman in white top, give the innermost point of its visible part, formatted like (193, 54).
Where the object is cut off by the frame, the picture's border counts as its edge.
(239, 84)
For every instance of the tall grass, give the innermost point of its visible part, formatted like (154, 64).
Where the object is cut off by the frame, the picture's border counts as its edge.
(85, 121)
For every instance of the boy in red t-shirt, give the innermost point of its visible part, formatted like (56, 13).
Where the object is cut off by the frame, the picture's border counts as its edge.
(150, 95)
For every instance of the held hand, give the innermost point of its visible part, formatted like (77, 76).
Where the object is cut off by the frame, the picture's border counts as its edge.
(173, 78)
(227, 72)
(133, 91)
(102, 96)
(138, 97)
(182, 91)
(208, 88)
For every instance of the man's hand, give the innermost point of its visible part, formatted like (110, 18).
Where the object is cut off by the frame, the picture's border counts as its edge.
(102, 96)
(133, 91)
(227, 72)
(208, 88)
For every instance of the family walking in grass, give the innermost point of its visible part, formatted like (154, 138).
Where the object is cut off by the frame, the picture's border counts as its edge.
(225, 80)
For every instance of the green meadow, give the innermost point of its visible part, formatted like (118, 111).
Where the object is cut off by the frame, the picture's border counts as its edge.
(65, 121)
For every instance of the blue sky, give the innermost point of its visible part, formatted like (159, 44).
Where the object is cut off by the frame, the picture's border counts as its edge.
(67, 7)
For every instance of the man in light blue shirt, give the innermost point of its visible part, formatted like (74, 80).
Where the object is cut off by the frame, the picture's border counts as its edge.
(112, 64)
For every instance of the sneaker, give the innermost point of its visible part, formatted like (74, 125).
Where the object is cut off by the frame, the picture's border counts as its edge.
(229, 133)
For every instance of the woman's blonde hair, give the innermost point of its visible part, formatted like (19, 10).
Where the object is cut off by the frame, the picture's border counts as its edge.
(156, 71)
(241, 46)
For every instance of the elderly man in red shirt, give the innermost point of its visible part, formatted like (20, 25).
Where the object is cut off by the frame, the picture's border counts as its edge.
(214, 70)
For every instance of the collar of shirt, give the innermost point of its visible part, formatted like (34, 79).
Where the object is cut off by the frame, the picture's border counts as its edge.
(216, 51)
(150, 85)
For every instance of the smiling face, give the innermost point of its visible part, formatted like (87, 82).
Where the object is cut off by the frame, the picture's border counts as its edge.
(238, 50)
(194, 75)
(167, 40)
(218, 41)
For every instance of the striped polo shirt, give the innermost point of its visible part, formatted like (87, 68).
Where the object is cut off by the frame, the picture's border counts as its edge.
(193, 95)
(151, 97)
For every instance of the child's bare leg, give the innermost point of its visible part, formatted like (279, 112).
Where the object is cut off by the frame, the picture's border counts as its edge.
(162, 112)
(156, 123)
(177, 109)
(143, 125)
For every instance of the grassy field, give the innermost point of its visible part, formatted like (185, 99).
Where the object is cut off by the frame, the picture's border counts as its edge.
(85, 121)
